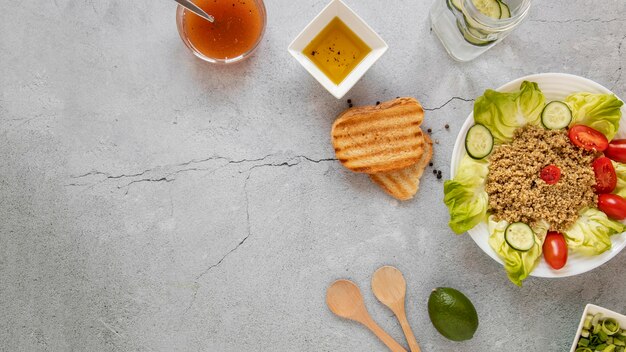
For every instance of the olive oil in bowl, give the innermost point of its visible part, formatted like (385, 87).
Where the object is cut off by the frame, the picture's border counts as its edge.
(336, 50)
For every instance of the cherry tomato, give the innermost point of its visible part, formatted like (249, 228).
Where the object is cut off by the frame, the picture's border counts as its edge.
(555, 250)
(588, 138)
(606, 179)
(550, 174)
(617, 150)
(613, 206)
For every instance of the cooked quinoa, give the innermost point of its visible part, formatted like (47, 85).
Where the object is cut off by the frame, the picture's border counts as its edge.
(516, 191)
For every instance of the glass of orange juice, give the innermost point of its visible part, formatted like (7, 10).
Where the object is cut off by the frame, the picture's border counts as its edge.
(236, 32)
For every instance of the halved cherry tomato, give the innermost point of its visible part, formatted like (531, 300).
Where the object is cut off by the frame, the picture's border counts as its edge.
(587, 138)
(550, 174)
(606, 179)
(555, 250)
(613, 206)
(617, 150)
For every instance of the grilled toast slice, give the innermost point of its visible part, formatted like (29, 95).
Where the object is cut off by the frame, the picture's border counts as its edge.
(403, 184)
(380, 138)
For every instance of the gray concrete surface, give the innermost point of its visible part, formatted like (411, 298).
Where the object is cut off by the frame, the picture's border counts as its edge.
(152, 202)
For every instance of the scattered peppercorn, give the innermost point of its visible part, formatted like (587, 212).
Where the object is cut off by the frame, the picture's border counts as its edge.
(349, 101)
(349, 105)
(447, 126)
(439, 176)
(377, 103)
(429, 130)
(430, 164)
(397, 97)
(434, 171)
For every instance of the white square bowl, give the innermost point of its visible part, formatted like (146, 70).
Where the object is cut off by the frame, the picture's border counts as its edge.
(593, 309)
(337, 8)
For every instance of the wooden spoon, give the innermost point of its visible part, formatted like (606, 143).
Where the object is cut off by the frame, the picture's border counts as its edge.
(344, 299)
(389, 287)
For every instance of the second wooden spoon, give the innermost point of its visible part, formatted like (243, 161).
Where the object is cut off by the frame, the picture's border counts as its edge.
(389, 287)
(344, 298)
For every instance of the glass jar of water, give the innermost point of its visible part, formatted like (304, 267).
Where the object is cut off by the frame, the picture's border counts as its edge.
(468, 28)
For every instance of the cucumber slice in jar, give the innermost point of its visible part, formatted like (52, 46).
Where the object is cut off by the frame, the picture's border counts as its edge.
(477, 33)
(519, 236)
(449, 3)
(505, 12)
(478, 141)
(490, 8)
(456, 4)
(472, 35)
(556, 115)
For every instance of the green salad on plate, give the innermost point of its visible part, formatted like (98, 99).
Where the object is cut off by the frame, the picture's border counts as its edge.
(548, 178)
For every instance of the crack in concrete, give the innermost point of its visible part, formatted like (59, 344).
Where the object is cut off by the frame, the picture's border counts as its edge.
(316, 161)
(227, 253)
(448, 102)
(161, 179)
(279, 164)
(107, 175)
(580, 20)
(192, 161)
(287, 163)
(196, 287)
(249, 233)
(166, 178)
(228, 160)
(169, 177)
(290, 163)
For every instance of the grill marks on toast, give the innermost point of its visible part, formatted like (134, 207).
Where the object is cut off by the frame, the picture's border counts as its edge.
(381, 126)
(380, 138)
(404, 183)
(361, 144)
(385, 159)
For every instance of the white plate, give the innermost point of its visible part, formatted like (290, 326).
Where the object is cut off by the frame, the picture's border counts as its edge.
(555, 86)
(593, 309)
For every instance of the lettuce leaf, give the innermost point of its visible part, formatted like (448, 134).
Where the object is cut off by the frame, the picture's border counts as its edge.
(620, 170)
(518, 265)
(598, 111)
(590, 234)
(503, 113)
(465, 195)
(541, 230)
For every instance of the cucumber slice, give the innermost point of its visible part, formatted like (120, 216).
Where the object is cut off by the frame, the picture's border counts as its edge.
(456, 4)
(490, 8)
(519, 236)
(478, 141)
(504, 9)
(478, 34)
(472, 35)
(474, 28)
(473, 40)
(556, 115)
